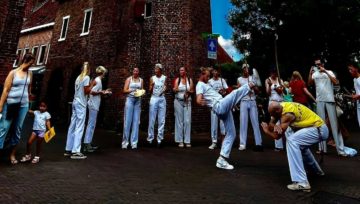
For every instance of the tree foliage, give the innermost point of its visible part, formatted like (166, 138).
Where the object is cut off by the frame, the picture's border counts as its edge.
(324, 28)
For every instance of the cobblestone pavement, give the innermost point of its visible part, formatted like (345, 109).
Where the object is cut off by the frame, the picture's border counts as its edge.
(171, 175)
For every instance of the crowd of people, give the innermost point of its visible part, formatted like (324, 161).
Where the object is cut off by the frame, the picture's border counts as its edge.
(292, 120)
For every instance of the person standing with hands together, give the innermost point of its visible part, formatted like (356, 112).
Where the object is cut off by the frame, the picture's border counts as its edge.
(183, 88)
(157, 104)
(132, 110)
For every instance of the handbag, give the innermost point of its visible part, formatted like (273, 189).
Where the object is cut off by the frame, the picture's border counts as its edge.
(13, 109)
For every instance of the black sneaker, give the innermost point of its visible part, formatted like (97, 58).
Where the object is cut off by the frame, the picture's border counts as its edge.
(258, 148)
(67, 153)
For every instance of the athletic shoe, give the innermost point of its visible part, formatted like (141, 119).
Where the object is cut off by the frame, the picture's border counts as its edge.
(78, 155)
(242, 147)
(67, 153)
(213, 146)
(133, 146)
(93, 147)
(181, 145)
(87, 148)
(223, 164)
(278, 149)
(188, 145)
(299, 187)
(124, 146)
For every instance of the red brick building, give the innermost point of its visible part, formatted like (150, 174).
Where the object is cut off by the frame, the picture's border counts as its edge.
(35, 37)
(121, 35)
(11, 19)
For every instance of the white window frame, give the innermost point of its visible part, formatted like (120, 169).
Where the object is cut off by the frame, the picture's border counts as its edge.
(40, 52)
(32, 51)
(145, 10)
(88, 31)
(62, 28)
(16, 61)
(47, 53)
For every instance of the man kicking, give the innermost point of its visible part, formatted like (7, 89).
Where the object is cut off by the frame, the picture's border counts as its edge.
(302, 128)
(207, 96)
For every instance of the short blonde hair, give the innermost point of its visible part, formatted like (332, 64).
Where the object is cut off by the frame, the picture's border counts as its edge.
(100, 70)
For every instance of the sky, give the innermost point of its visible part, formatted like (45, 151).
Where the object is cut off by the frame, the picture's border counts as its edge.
(219, 12)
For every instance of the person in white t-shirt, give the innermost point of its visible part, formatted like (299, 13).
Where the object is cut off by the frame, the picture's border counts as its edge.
(222, 107)
(219, 85)
(93, 106)
(157, 104)
(77, 124)
(354, 71)
(41, 124)
(325, 102)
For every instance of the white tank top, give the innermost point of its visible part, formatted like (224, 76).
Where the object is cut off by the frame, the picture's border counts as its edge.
(133, 85)
(159, 84)
(182, 88)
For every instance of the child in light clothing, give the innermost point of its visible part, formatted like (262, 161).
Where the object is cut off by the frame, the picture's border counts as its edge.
(41, 124)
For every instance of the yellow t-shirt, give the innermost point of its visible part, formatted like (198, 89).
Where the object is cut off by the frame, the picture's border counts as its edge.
(304, 117)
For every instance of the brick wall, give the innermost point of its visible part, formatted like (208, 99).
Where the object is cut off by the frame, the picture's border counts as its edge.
(120, 42)
(11, 19)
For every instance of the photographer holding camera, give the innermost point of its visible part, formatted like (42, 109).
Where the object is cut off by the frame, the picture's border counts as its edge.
(325, 101)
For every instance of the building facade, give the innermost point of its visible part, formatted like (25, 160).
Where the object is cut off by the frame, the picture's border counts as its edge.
(11, 19)
(121, 35)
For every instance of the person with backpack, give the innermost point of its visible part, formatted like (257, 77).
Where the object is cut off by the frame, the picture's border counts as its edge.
(183, 88)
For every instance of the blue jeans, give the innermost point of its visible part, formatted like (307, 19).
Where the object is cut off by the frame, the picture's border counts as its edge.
(15, 127)
(131, 121)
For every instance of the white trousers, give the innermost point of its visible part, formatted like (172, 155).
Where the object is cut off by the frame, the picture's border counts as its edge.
(76, 128)
(90, 126)
(279, 144)
(214, 127)
(157, 108)
(247, 108)
(358, 111)
(223, 110)
(131, 121)
(182, 121)
(329, 107)
(298, 152)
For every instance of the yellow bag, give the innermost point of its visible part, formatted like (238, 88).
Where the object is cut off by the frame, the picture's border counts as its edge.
(49, 134)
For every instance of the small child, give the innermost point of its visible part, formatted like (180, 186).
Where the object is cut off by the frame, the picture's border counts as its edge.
(41, 123)
(288, 97)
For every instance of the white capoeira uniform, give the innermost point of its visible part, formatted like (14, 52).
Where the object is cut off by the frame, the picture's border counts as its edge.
(157, 108)
(312, 130)
(274, 96)
(93, 106)
(132, 115)
(77, 124)
(325, 102)
(182, 114)
(217, 85)
(357, 89)
(222, 107)
(248, 107)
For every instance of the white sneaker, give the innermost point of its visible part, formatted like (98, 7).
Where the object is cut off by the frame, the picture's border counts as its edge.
(78, 155)
(213, 146)
(299, 187)
(181, 145)
(223, 164)
(242, 147)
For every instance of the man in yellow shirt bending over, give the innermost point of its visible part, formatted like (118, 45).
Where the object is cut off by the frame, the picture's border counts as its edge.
(302, 128)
